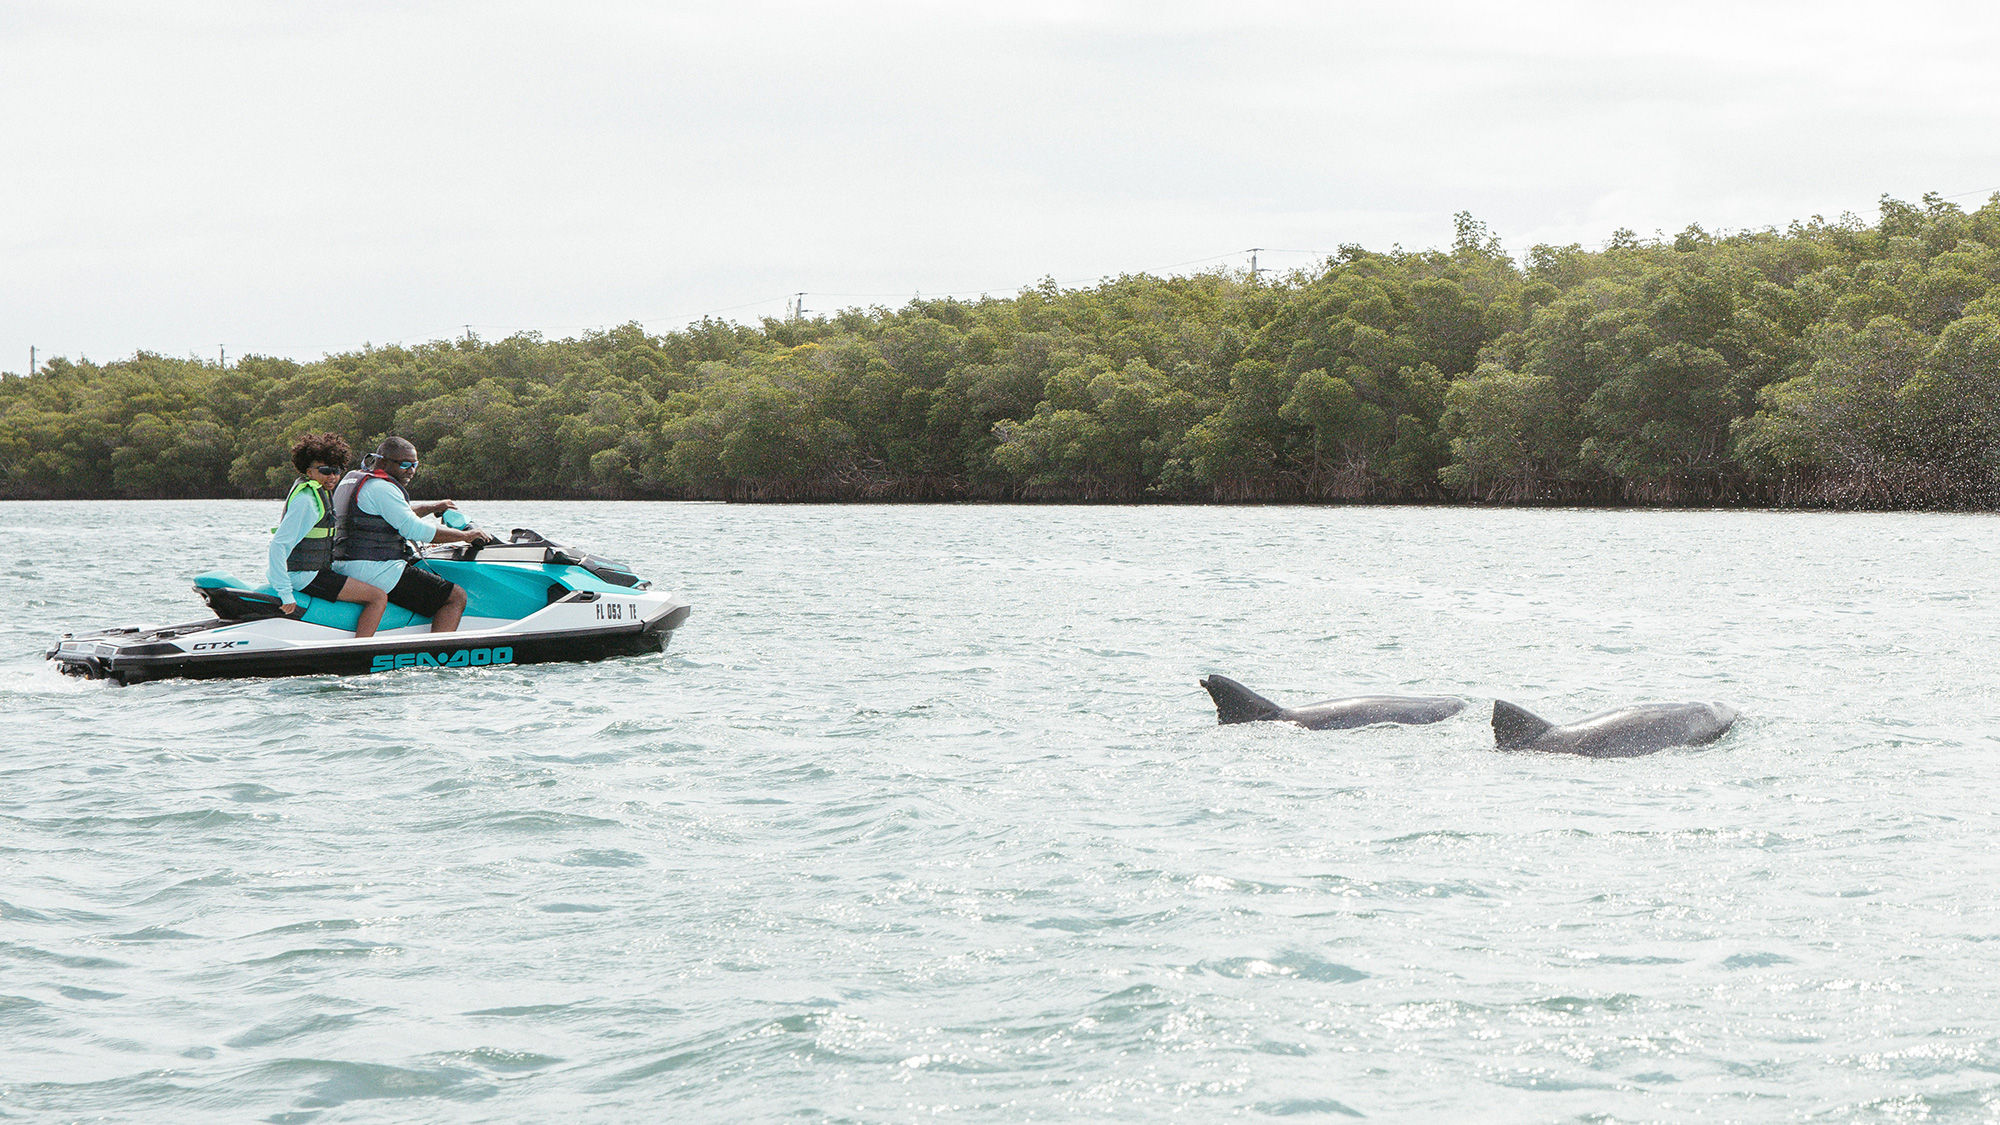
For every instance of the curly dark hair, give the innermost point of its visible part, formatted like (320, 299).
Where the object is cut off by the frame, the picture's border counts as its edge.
(320, 449)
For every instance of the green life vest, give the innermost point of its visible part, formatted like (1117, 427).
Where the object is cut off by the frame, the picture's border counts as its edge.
(315, 551)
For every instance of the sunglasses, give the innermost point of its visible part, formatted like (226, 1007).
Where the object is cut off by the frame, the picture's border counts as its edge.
(408, 464)
(330, 470)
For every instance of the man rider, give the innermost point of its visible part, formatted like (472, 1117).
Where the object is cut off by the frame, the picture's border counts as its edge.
(373, 519)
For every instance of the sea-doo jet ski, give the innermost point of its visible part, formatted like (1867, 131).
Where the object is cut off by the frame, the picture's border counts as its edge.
(528, 601)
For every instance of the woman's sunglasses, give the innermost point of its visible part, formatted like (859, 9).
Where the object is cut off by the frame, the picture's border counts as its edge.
(330, 470)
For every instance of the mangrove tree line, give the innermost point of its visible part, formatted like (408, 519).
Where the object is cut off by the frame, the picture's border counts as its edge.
(1829, 363)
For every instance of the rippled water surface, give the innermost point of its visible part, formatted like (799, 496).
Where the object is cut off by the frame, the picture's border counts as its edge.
(923, 814)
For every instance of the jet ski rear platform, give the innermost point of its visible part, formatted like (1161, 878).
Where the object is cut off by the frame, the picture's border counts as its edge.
(528, 601)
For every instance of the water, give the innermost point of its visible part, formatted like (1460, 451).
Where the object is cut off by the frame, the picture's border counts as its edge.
(923, 814)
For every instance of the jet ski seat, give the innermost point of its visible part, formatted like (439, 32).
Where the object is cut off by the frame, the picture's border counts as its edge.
(233, 600)
(508, 593)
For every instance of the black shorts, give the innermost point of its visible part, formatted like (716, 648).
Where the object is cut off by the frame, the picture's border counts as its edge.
(421, 592)
(326, 585)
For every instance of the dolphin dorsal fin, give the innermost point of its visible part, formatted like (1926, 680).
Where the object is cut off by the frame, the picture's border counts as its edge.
(1235, 703)
(1515, 727)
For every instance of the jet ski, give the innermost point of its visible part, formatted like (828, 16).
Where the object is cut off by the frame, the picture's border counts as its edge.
(528, 601)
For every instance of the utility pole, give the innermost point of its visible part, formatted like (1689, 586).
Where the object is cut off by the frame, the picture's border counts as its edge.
(1254, 271)
(31, 359)
(222, 357)
(798, 306)
(468, 333)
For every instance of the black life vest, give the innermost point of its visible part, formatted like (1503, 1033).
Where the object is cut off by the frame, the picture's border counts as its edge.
(360, 535)
(315, 551)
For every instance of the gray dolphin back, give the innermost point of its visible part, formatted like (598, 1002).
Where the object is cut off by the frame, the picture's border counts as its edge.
(1235, 703)
(1367, 710)
(1628, 732)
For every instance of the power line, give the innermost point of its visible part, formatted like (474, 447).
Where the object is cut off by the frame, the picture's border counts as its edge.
(794, 303)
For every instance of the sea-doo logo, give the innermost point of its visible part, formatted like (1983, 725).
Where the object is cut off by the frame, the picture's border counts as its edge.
(463, 658)
(206, 645)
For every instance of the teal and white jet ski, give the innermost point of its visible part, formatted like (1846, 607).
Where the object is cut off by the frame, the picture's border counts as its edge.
(528, 601)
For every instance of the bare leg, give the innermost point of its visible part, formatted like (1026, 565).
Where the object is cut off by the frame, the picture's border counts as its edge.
(373, 601)
(448, 614)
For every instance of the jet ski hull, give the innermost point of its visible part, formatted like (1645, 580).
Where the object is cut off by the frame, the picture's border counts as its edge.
(221, 650)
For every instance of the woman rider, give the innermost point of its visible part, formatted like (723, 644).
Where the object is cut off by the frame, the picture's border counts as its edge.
(302, 544)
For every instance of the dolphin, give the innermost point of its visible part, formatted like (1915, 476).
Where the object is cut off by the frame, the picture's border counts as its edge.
(1625, 733)
(1235, 703)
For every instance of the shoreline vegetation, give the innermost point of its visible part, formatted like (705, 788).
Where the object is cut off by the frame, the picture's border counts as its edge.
(1830, 364)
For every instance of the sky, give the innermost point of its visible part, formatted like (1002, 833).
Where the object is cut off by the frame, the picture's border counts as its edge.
(225, 177)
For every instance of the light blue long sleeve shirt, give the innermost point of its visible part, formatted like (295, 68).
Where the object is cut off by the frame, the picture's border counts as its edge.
(300, 516)
(380, 498)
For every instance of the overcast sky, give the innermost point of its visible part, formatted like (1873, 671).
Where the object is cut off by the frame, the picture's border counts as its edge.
(292, 179)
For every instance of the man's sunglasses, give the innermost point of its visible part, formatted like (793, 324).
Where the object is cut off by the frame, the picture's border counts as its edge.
(408, 464)
(330, 470)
